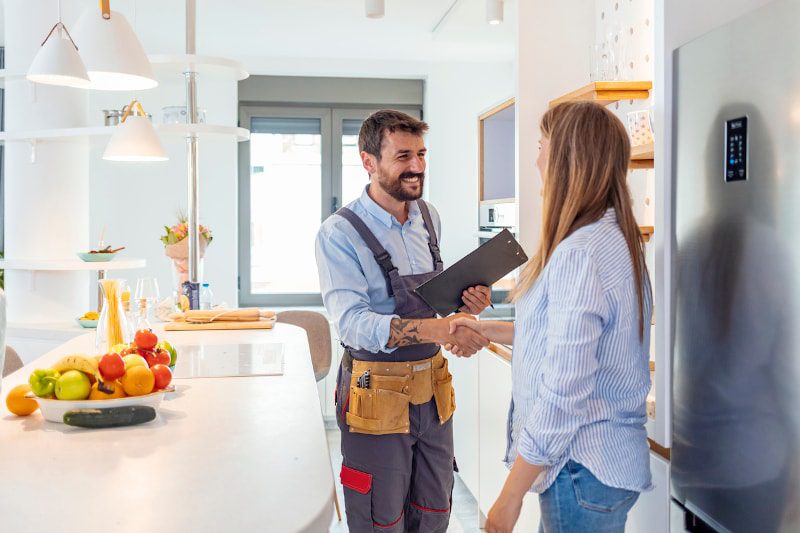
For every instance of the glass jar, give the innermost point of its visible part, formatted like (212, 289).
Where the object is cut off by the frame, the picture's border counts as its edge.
(112, 326)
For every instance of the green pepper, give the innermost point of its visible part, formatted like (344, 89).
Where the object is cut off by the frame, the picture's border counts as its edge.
(43, 382)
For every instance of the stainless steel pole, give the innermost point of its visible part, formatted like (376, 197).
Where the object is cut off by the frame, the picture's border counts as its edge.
(192, 148)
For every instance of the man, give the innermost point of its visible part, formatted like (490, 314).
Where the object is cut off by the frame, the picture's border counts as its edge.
(394, 393)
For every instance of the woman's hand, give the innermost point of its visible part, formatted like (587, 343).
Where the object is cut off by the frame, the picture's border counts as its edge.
(504, 514)
(465, 322)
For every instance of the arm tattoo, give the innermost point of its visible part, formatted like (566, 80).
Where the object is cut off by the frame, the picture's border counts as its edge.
(404, 333)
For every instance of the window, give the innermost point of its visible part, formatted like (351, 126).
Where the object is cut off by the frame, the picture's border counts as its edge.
(300, 165)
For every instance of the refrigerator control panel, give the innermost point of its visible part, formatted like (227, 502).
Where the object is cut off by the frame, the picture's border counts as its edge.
(736, 149)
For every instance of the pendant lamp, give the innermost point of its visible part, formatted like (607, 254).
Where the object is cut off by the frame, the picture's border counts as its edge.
(57, 62)
(374, 8)
(113, 55)
(135, 138)
(494, 11)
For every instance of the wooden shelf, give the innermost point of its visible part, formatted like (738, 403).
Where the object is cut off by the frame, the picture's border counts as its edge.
(607, 92)
(647, 232)
(642, 157)
(501, 350)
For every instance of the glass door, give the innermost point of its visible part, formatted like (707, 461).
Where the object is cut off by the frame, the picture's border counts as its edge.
(285, 193)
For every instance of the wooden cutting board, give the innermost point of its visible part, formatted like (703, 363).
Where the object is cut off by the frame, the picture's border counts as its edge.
(188, 326)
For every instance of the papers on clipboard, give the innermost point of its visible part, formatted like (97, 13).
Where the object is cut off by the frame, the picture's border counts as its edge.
(484, 266)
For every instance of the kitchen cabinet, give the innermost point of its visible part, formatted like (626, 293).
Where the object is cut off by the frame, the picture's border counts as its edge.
(495, 397)
(465, 419)
(651, 514)
(497, 133)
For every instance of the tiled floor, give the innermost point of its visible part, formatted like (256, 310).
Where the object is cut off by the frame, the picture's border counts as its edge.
(465, 516)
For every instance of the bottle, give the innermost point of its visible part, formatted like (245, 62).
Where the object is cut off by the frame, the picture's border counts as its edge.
(206, 297)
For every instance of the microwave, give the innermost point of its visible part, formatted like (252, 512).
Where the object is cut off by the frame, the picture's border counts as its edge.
(497, 216)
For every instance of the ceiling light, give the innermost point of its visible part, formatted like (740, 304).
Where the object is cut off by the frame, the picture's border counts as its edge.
(135, 138)
(374, 8)
(494, 11)
(57, 62)
(113, 55)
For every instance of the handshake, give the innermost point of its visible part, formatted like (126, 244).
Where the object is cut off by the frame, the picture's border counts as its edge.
(465, 335)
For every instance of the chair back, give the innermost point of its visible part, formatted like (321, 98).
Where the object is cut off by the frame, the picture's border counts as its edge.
(318, 330)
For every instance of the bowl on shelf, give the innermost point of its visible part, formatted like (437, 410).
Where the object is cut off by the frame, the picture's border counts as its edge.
(84, 323)
(97, 257)
(53, 410)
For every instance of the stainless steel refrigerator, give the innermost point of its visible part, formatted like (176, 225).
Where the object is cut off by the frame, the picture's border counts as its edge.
(736, 170)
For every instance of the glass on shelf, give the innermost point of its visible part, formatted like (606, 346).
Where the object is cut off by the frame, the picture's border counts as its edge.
(147, 297)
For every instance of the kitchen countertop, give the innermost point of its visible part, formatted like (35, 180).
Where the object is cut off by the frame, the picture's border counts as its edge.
(224, 454)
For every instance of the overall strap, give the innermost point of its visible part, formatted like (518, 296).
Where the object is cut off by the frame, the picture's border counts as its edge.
(382, 257)
(433, 242)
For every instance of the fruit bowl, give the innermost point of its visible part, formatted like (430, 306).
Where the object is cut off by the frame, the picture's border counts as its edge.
(53, 410)
(86, 323)
(97, 257)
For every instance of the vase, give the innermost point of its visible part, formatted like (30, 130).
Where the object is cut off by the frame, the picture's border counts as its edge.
(112, 326)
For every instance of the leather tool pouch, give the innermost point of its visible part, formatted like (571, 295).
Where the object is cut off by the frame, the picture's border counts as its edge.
(381, 409)
(443, 392)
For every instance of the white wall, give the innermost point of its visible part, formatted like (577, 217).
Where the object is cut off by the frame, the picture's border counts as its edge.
(455, 94)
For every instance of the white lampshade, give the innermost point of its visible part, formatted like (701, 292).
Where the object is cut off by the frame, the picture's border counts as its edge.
(57, 62)
(374, 8)
(112, 54)
(135, 140)
(494, 11)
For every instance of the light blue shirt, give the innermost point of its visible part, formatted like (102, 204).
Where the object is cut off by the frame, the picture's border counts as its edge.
(580, 372)
(352, 284)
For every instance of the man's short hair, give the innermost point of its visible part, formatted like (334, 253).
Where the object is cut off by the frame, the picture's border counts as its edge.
(370, 138)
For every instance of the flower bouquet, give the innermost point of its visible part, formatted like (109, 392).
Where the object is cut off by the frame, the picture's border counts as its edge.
(176, 246)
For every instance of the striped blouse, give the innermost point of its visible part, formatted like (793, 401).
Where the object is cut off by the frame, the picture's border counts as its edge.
(580, 372)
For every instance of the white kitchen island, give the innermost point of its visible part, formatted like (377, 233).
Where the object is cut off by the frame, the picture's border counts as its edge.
(224, 454)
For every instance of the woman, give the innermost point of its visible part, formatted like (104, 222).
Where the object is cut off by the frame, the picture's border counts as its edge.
(580, 367)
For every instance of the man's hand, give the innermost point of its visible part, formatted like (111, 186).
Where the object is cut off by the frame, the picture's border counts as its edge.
(476, 299)
(464, 341)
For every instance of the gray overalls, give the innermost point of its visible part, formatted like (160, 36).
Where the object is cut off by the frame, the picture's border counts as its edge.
(397, 482)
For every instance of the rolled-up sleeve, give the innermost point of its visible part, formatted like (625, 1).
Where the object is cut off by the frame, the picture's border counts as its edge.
(344, 290)
(576, 314)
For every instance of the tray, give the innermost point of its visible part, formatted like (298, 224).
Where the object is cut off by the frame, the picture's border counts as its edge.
(188, 326)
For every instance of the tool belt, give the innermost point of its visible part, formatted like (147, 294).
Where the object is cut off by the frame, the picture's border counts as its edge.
(381, 408)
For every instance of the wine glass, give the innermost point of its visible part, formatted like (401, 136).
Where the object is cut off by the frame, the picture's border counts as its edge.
(146, 294)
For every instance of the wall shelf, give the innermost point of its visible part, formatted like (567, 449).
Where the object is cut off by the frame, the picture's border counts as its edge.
(165, 130)
(642, 157)
(206, 66)
(607, 92)
(70, 264)
(647, 232)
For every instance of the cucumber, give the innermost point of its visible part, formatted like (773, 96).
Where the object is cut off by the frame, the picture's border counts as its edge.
(109, 417)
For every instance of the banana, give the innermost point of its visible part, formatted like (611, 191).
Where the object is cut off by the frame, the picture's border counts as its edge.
(81, 362)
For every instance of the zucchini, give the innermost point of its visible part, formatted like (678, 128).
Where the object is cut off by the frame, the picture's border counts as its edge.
(109, 417)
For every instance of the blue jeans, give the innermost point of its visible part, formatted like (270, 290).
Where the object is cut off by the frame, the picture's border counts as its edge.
(577, 502)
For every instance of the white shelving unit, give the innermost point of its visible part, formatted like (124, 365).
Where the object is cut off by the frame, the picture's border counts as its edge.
(70, 264)
(206, 66)
(165, 130)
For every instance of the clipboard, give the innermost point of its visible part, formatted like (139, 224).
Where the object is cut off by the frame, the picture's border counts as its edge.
(486, 265)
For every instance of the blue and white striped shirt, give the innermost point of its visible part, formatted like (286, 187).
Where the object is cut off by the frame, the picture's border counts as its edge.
(580, 373)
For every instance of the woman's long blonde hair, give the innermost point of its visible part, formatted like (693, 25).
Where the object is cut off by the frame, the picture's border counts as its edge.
(586, 174)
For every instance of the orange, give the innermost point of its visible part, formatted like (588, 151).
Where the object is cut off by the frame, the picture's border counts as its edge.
(138, 380)
(18, 404)
(119, 392)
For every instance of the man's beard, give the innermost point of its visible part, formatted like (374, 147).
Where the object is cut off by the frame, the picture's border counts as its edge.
(395, 188)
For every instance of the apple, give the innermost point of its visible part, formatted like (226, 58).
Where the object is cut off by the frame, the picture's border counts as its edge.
(112, 366)
(148, 355)
(163, 376)
(145, 339)
(73, 385)
(162, 357)
(131, 360)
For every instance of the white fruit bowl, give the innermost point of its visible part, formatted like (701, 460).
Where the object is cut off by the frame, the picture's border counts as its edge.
(53, 410)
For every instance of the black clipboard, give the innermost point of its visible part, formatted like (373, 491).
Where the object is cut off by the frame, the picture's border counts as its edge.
(486, 265)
